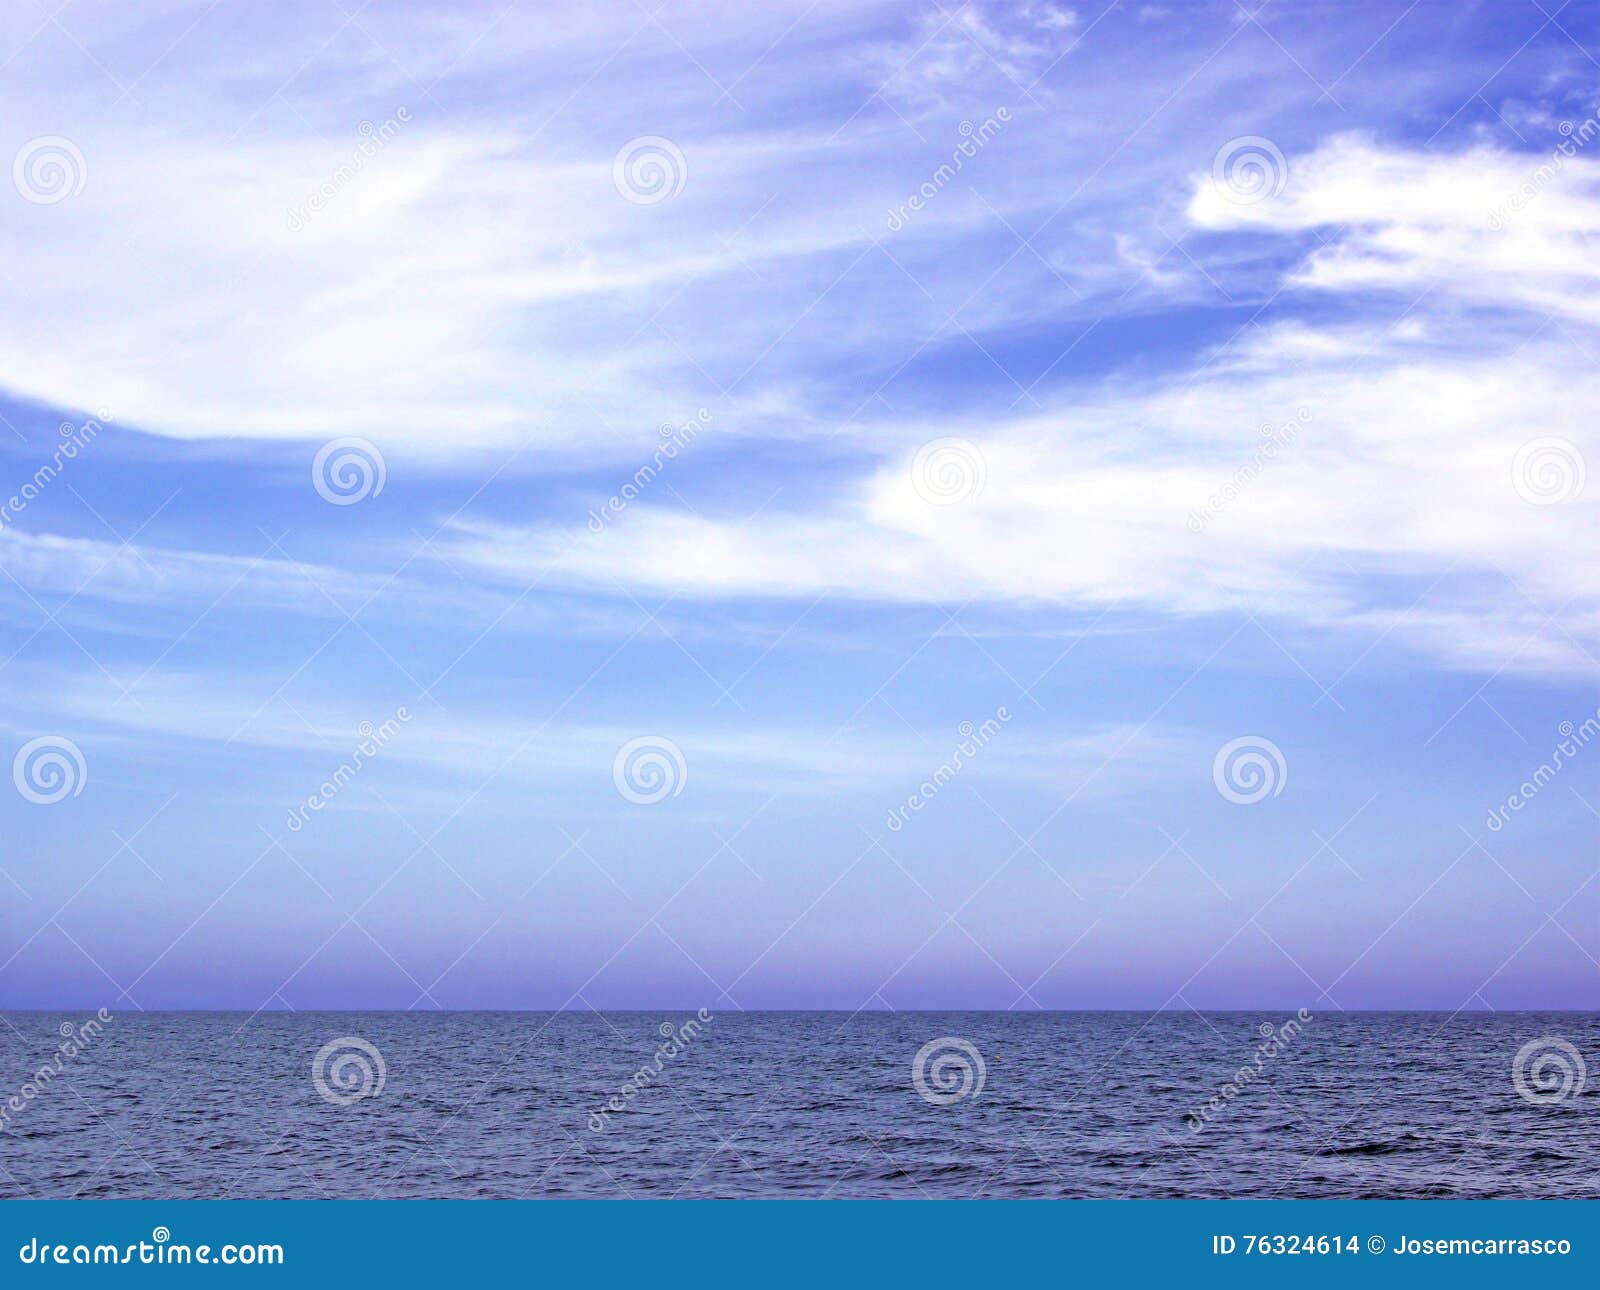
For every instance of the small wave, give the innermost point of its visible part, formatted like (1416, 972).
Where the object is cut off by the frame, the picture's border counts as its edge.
(1388, 1148)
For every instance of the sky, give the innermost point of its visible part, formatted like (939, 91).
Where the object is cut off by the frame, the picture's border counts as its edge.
(815, 505)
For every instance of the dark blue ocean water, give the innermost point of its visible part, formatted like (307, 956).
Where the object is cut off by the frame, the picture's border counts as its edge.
(801, 1104)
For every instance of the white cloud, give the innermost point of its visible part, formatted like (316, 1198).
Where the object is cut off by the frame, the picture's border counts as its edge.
(1493, 227)
(1395, 442)
(478, 281)
(169, 709)
(138, 590)
(970, 48)
(480, 284)
(1404, 468)
(154, 577)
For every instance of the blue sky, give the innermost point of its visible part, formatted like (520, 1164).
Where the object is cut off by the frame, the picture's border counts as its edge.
(1231, 377)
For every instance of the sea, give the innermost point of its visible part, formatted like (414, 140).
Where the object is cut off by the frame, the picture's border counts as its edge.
(799, 1104)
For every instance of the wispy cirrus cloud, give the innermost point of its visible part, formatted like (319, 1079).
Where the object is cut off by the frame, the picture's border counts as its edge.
(514, 297)
(167, 713)
(1487, 226)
